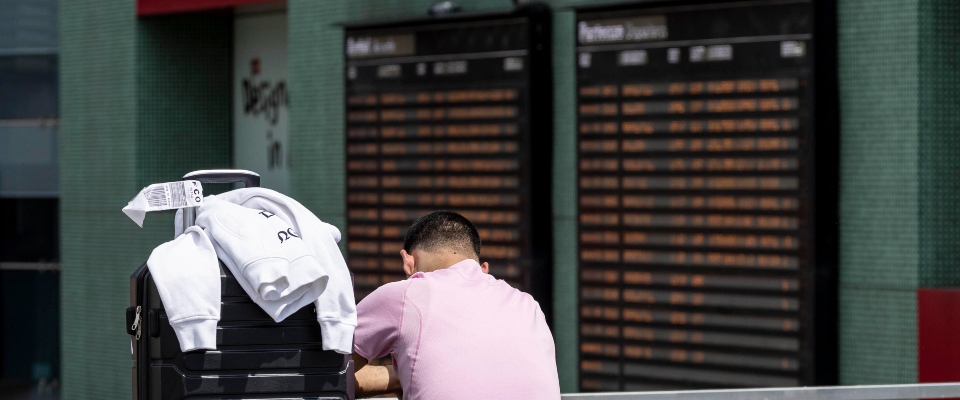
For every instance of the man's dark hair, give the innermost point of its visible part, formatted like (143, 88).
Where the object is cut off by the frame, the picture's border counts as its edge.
(442, 229)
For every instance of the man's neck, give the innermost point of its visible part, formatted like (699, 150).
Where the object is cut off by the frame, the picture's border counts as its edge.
(441, 260)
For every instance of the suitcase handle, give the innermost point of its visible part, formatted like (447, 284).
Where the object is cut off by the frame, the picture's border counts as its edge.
(248, 178)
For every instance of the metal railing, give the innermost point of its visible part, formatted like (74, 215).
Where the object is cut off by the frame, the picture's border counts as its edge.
(866, 392)
(29, 266)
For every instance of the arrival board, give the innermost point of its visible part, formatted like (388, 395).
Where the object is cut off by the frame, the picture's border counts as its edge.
(694, 195)
(446, 114)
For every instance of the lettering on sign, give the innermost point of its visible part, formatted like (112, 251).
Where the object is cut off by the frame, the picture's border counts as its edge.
(265, 98)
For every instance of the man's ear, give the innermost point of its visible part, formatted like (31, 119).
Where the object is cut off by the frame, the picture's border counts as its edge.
(409, 263)
(485, 267)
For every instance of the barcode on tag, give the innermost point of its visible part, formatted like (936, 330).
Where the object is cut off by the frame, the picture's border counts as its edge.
(171, 195)
(164, 196)
(177, 195)
(156, 196)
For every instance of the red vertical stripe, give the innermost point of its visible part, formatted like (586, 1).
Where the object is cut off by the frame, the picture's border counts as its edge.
(159, 7)
(938, 331)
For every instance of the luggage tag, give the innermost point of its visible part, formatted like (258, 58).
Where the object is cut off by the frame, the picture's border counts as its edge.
(164, 196)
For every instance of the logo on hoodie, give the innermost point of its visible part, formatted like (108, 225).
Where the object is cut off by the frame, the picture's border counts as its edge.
(286, 235)
(282, 235)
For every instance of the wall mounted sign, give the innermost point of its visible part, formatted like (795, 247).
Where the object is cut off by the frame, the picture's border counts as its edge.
(698, 198)
(261, 112)
(451, 113)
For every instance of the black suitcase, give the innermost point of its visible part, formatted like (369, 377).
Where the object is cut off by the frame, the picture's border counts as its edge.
(256, 358)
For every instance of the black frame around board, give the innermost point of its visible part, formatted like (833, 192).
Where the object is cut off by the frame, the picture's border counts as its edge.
(471, 109)
(667, 300)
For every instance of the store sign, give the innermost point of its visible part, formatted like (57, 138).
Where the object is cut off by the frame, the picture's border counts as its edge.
(261, 112)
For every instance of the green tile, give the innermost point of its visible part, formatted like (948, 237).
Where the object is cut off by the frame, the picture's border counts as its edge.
(878, 336)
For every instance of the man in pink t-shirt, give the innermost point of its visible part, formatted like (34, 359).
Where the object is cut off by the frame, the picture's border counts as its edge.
(454, 331)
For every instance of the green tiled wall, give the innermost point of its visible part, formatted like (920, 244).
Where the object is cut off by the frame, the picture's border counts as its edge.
(878, 190)
(98, 174)
(141, 101)
(900, 158)
(184, 109)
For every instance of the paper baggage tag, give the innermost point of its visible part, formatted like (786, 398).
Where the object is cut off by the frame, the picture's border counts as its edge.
(164, 196)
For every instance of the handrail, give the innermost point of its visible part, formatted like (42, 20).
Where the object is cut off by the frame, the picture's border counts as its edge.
(30, 266)
(864, 392)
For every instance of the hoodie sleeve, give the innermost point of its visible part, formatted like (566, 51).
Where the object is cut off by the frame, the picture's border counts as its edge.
(187, 275)
(336, 306)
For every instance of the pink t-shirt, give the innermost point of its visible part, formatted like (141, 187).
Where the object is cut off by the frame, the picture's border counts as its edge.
(458, 333)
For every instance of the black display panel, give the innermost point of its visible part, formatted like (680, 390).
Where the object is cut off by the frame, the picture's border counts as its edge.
(706, 168)
(456, 114)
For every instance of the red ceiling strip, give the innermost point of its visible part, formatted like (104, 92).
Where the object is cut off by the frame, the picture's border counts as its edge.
(938, 335)
(162, 7)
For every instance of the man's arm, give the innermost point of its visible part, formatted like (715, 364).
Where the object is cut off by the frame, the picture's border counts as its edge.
(378, 328)
(375, 380)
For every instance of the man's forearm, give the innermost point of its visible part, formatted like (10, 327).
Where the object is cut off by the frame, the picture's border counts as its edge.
(375, 380)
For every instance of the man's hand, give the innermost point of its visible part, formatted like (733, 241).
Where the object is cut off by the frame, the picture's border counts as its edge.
(375, 380)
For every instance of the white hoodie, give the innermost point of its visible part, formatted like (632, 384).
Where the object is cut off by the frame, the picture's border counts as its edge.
(332, 289)
(187, 276)
(336, 306)
(265, 254)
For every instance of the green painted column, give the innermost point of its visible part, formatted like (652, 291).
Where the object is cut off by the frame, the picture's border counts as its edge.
(878, 190)
(142, 101)
(98, 171)
(900, 158)
(565, 320)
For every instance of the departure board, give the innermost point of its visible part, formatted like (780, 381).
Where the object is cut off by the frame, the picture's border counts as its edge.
(450, 114)
(696, 159)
